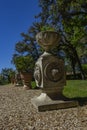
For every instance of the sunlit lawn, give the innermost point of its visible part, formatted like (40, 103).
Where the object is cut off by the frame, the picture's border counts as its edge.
(75, 88)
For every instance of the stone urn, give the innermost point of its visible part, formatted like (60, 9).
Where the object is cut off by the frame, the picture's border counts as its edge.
(49, 75)
(48, 39)
(49, 69)
(26, 79)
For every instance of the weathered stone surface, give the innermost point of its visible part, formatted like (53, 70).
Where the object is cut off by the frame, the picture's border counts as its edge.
(26, 79)
(48, 39)
(49, 74)
(45, 103)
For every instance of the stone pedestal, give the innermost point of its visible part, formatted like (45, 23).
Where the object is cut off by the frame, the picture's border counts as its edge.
(45, 103)
(50, 75)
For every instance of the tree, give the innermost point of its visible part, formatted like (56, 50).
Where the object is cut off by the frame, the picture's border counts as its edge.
(6, 75)
(69, 18)
(24, 63)
(28, 46)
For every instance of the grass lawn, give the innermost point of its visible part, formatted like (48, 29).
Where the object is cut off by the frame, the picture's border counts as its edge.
(75, 89)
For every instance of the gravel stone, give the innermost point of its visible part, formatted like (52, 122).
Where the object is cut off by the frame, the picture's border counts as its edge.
(17, 113)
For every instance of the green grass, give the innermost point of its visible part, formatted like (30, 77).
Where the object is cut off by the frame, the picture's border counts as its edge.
(75, 89)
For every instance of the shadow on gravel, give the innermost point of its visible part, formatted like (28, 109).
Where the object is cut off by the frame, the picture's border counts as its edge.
(81, 101)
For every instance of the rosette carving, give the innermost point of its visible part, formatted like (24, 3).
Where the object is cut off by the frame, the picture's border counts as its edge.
(53, 71)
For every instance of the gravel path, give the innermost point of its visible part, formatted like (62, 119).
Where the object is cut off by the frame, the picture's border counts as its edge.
(17, 113)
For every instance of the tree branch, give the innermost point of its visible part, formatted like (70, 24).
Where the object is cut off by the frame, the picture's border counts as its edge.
(78, 13)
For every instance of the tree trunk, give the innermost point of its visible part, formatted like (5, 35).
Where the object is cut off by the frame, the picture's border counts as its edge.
(68, 45)
(79, 64)
(73, 67)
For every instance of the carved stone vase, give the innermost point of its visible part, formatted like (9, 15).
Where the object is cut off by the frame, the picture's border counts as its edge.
(47, 39)
(26, 79)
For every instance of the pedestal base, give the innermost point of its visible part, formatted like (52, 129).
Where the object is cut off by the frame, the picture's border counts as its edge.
(25, 87)
(45, 103)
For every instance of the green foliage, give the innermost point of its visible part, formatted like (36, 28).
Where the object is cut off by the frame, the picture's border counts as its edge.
(6, 75)
(2, 80)
(24, 63)
(28, 45)
(84, 66)
(47, 28)
(69, 17)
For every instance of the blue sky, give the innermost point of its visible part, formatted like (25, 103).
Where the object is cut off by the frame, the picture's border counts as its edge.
(16, 16)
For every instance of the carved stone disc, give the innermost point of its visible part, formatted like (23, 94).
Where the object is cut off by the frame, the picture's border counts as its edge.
(53, 71)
